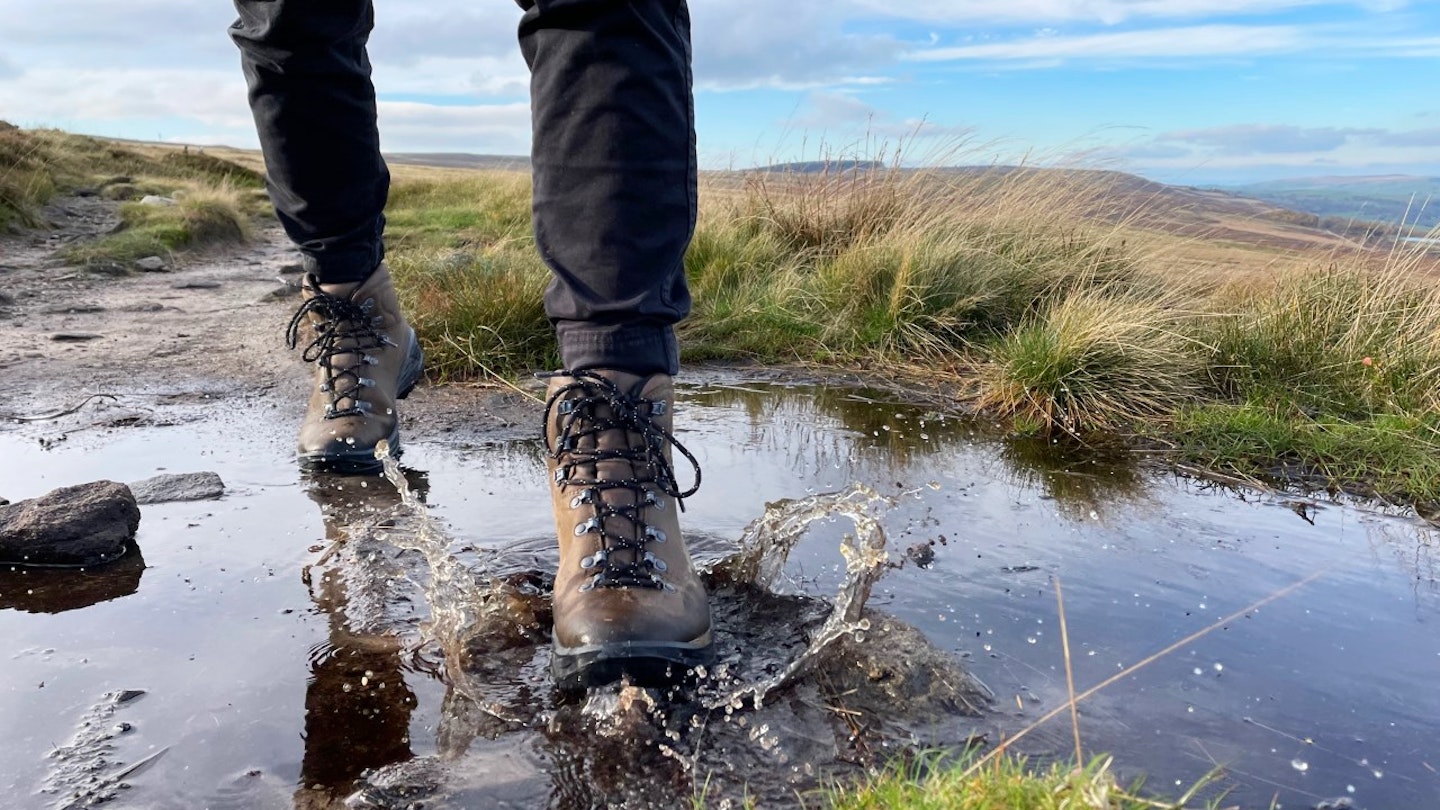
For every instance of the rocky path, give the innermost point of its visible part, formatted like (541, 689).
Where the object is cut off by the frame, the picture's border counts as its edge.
(207, 330)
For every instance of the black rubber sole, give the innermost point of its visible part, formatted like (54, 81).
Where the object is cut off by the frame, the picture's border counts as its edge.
(648, 664)
(361, 460)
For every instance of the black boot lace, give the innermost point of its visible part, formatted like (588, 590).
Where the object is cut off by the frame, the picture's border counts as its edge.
(580, 405)
(346, 329)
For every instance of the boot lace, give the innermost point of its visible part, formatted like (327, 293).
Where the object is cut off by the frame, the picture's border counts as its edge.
(580, 405)
(345, 329)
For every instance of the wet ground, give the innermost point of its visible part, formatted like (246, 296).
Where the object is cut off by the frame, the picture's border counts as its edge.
(340, 643)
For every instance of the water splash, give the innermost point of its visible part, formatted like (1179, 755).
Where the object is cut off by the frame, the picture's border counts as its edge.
(472, 613)
(766, 545)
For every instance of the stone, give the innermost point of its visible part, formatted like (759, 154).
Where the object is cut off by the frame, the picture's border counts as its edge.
(196, 285)
(152, 199)
(291, 269)
(75, 337)
(84, 524)
(200, 486)
(151, 264)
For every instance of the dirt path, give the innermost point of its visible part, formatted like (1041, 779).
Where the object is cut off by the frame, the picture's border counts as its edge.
(207, 332)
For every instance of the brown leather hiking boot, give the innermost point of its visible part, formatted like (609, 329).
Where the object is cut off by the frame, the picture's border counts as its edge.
(627, 599)
(366, 357)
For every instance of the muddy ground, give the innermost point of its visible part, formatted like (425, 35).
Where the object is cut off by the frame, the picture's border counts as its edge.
(208, 329)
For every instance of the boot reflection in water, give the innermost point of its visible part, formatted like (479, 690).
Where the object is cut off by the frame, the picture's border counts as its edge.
(357, 704)
(614, 171)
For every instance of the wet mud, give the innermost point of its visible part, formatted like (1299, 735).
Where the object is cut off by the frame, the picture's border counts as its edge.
(882, 578)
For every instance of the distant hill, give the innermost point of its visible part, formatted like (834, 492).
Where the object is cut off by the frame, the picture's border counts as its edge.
(1299, 214)
(1390, 199)
(459, 160)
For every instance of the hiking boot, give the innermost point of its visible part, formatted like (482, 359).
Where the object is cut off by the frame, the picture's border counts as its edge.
(627, 599)
(366, 357)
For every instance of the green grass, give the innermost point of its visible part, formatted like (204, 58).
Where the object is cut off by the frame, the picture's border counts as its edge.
(1003, 289)
(220, 198)
(1005, 783)
(1017, 292)
(198, 219)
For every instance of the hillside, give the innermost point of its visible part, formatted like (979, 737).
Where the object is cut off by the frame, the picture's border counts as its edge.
(1388, 199)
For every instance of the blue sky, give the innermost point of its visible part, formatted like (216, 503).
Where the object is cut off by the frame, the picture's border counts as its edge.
(1186, 91)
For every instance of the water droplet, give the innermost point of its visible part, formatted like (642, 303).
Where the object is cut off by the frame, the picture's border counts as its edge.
(1199, 671)
(1379, 774)
(1300, 765)
(1189, 709)
(987, 648)
(1349, 788)
(1030, 639)
(1219, 667)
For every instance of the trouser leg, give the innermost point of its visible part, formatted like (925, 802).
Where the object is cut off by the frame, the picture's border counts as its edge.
(614, 169)
(314, 106)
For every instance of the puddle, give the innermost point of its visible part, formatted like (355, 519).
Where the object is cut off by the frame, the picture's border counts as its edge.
(882, 580)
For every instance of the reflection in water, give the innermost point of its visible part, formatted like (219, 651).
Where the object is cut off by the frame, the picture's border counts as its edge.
(357, 704)
(1085, 483)
(56, 590)
(842, 427)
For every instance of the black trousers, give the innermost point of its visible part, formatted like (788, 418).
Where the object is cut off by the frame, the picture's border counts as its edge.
(613, 156)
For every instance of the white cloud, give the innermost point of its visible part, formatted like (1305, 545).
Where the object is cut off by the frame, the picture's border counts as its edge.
(799, 44)
(1190, 41)
(1108, 12)
(487, 129)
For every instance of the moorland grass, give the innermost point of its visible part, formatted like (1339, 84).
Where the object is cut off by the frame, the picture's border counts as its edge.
(218, 199)
(1006, 783)
(1024, 294)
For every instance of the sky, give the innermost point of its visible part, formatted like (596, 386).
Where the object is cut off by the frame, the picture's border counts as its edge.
(1183, 91)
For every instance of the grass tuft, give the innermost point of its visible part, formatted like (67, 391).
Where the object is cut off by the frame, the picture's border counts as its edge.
(202, 216)
(1090, 362)
(479, 311)
(1007, 783)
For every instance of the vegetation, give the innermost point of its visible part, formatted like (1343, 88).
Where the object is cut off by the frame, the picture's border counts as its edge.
(215, 199)
(1018, 292)
(1026, 294)
(1006, 783)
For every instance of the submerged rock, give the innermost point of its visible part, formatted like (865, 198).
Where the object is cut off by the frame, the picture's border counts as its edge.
(200, 486)
(79, 525)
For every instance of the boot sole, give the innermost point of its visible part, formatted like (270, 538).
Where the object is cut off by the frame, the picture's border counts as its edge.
(361, 460)
(645, 663)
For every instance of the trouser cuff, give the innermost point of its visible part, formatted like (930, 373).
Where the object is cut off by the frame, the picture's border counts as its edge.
(636, 349)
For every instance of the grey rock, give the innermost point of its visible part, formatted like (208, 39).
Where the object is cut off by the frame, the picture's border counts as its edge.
(75, 337)
(291, 269)
(6, 299)
(196, 285)
(79, 525)
(151, 264)
(201, 486)
(152, 199)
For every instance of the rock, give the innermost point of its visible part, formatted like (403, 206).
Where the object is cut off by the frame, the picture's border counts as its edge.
(152, 199)
(80, 525)
(292, 269)
(75, 337)
(151, 264)
(6, 299)
(196, 285)
(201, 486)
